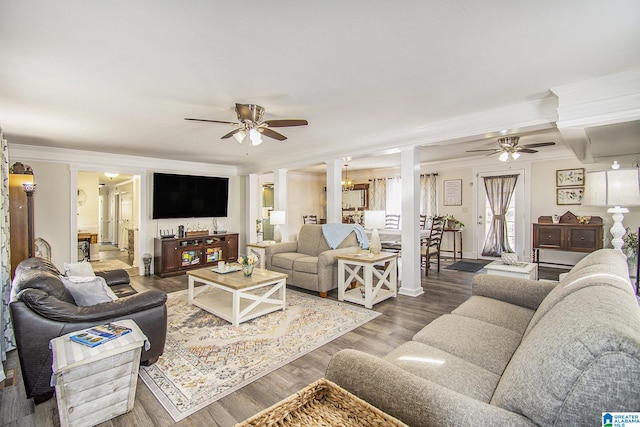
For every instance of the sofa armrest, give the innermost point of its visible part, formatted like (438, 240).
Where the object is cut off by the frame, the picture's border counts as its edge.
(114, 277)
(278, 248)
(522, 292)
(330, 257)
(412, 399)
(60, 311)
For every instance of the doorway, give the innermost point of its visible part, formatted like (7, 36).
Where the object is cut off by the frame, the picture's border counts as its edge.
(107, 211)
(515, 217)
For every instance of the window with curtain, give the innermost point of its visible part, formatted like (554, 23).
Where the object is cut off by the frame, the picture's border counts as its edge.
(394, 196)
(378, 194)
(7, 341)
(499, 191)
(428, 195)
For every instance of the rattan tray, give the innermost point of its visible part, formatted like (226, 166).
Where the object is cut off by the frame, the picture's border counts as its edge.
(322, 403)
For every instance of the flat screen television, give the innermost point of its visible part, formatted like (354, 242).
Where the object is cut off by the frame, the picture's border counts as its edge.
(189, 196)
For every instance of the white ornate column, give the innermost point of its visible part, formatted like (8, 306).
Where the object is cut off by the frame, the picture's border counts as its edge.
(410, 174)
(334, 191)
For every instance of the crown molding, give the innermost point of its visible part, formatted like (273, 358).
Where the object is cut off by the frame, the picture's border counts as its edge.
(90, 160)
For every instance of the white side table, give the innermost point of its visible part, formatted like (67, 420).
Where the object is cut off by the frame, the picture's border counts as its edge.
(259, 250)
(96, 384)
(360, 267)
(522, 270)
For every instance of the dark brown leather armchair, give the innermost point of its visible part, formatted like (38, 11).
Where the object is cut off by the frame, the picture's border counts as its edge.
(44, 309)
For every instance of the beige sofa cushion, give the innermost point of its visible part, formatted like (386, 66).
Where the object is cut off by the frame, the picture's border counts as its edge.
(608, 268)
(583, 356)
(481, 343)
(496, 312)
(445, 369)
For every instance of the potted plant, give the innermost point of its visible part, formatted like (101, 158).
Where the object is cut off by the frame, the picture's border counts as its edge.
(452, 222)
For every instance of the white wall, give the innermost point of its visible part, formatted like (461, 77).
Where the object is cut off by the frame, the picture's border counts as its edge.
(88, 212)
(55, 175)
(52, 207)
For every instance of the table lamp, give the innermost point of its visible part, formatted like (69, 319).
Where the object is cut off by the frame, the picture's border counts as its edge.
(277, 218)
(375, 220)
(614, 187)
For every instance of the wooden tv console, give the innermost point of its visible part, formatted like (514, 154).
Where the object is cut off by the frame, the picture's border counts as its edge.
(176, 256)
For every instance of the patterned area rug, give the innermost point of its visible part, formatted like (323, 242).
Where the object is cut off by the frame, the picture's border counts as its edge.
(206, 358)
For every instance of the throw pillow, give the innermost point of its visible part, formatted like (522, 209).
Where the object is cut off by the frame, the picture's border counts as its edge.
(78, 269)
(88, 291)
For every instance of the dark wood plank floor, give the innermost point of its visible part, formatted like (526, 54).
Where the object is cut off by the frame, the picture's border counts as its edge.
(401, 318)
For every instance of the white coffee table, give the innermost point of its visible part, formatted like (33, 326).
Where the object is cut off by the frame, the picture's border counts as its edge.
(238, 303)
(523, 270)
(360, 267)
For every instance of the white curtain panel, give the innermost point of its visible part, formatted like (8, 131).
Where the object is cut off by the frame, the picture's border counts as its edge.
(428, 195)
(7, 342)
(394, 196)
(378, 194)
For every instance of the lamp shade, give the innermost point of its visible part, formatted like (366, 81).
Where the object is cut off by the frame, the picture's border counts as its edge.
(374, 219)
(615, 187)
(277, 217)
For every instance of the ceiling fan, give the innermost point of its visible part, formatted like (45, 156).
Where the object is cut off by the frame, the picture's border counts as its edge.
(509, 147)
(252, 127)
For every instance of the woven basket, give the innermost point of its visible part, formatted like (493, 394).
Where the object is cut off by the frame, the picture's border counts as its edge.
(320, 404)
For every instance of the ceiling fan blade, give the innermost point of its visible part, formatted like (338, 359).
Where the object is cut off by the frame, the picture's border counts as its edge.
(230, 134)
(272, 134)
(539, 144)
(480, 151)
(285, 123)
(526, 150)
(211, 121)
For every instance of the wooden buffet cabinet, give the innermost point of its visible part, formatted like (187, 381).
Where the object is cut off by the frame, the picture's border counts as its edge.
(567, 235)
(176, 256)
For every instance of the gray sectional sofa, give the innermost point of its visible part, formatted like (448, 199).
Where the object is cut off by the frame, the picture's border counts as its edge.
(518, 353)
(310, 263)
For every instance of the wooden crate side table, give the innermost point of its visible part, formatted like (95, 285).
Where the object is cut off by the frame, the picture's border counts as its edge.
(96, 384)
(260, 250)
(360, 267)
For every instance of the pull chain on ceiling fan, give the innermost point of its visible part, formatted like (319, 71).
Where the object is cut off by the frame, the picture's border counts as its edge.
(252, 127)
(509, 147)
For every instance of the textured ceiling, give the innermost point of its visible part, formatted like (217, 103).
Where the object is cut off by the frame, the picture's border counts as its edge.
(369, 76)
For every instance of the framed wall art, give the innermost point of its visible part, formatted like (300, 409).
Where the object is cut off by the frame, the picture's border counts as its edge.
(569, 196)
(570, 177)
(452, 192)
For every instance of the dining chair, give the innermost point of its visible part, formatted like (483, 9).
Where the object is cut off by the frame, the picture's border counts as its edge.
(309, 219)
(423, 222)
(430, 247)
(392, 222)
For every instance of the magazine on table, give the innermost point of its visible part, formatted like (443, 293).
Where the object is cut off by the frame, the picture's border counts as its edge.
(100, 334)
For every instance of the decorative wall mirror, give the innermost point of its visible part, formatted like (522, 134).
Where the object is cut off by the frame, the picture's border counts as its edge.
(356, 198)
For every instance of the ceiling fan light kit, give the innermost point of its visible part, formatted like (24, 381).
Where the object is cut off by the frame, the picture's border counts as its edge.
(509, 147)
(250, 124)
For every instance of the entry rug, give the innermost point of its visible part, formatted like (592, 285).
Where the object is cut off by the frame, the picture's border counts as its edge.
(471, 267)
(206, 358)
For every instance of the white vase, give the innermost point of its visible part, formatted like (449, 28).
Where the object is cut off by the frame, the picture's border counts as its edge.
(375, 241)
(509, 258)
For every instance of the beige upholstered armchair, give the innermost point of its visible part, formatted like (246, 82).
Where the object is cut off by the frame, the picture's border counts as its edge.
(310, 263)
